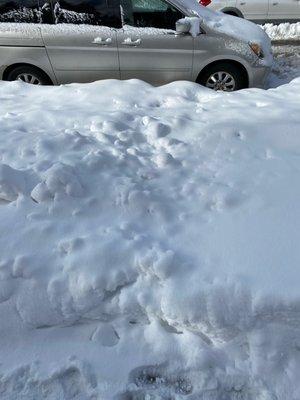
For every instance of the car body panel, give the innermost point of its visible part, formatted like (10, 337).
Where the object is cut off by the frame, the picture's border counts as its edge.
(81, 53)
(221, 45)
(261, 11)
(253, 9)
(35, 56)
(284, 9)
(158, 57)
(20, 34)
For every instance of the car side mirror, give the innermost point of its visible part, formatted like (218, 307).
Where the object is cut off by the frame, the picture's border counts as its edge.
(182, 26)
(188, 25)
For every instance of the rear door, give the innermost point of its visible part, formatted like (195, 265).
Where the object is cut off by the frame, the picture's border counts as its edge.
(82, 41)
(20, 23)
(148, 47)
(20, 36)
(256, 10)
(281, 10)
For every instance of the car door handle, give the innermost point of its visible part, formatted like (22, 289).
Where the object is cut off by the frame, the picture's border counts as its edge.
(102, 42)
(275, 3)
(130, 42)
(243, 3)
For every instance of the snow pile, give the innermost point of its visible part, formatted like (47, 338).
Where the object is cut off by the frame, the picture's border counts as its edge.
(149, 244)
(283, 31)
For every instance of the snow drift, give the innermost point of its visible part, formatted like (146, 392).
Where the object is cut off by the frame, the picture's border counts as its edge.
(149, 242)
(284, 31)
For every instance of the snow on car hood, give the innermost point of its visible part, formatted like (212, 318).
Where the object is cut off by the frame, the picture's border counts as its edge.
(222, 23)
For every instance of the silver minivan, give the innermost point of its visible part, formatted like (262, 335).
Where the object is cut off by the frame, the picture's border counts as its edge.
(158, 41)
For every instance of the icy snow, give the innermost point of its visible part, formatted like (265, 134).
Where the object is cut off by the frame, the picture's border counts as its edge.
(149, 242)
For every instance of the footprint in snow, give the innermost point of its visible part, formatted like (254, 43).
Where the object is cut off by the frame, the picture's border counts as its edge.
(106, 335)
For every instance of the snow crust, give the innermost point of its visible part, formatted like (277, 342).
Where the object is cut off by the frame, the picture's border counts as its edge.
(149, 242)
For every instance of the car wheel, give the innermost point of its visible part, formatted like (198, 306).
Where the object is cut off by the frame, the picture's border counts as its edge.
(225, 77)
(29, 74)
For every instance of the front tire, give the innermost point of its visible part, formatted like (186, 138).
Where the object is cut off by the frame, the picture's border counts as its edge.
(28, 74)
(224, 77)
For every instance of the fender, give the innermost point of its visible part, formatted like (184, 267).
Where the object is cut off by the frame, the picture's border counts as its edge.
(35, 56)
(234, 10)
(222, 58)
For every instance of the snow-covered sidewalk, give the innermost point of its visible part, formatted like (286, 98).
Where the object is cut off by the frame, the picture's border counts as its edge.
(149, 242)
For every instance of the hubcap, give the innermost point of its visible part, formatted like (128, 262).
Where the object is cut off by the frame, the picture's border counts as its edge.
(29, 78)
(221, 81)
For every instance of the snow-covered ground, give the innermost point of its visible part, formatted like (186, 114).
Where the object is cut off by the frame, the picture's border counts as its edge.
(149, 242)
(286, 65)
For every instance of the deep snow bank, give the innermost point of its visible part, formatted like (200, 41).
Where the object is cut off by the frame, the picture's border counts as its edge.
(149, 242)
(284, 31)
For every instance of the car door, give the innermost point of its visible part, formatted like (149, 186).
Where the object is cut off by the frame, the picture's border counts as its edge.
(82, 41)
(19, 23)
(20, 36)
(282, 10)
(149, 49)
(255, 10)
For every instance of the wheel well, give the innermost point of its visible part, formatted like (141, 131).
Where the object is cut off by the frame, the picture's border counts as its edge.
(232, 62)
(233, 13)
(10, 68)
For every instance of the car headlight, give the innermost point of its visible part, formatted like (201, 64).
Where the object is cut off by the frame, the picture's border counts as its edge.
(256, 48)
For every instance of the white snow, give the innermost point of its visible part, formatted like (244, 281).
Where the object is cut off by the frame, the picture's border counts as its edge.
(149, 242)
(100, 40)
(284, 31)
(286, 66)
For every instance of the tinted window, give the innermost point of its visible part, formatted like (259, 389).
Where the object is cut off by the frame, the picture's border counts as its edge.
(19, 11)
(46, 12)
(90, 12)
(150, 13)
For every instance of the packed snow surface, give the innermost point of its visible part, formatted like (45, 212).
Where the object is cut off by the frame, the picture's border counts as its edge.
(149, 243)
(283, 31)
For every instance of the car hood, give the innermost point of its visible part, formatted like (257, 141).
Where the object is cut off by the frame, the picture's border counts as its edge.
(218, 22)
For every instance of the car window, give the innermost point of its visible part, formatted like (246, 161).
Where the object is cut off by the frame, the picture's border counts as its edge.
(46, 12)
(19, 11)
(150, 14)
(88, 12)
